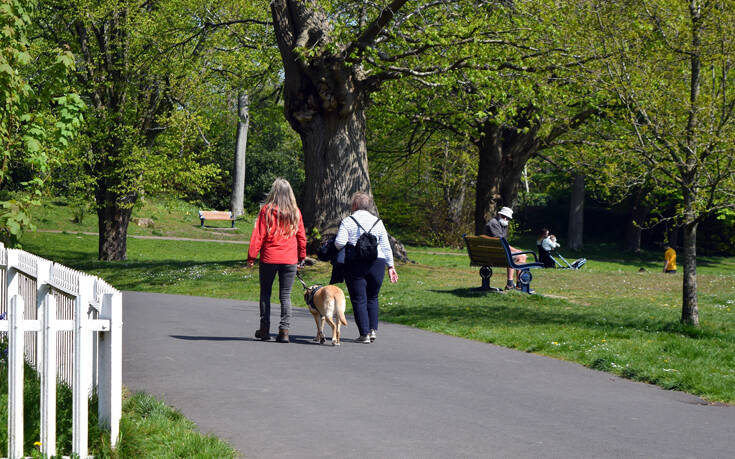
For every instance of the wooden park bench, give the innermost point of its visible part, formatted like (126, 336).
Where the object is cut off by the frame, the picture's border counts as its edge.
(216, 215)
(486, 252)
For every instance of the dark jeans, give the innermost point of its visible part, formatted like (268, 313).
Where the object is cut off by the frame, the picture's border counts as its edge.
(286, 276)
(363, 281)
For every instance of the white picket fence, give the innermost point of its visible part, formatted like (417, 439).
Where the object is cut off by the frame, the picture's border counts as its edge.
(68, 326)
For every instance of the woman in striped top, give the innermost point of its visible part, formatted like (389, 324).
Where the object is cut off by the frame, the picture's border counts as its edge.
(364, 278)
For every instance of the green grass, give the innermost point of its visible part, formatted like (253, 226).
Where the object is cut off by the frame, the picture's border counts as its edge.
(606, 316)
(148, 427)
(171, 218)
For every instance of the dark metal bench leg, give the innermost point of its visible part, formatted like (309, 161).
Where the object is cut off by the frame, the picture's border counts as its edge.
(524, 279)
(486, 273)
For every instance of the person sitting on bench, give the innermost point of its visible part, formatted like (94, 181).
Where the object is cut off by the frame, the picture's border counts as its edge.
(498, 227)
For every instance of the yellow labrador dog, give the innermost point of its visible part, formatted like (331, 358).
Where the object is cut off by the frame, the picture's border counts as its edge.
(323, 303)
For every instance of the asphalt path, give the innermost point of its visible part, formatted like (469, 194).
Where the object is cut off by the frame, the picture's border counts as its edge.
(411, 394)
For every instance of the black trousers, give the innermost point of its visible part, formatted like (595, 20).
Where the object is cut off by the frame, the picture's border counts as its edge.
(286, 276)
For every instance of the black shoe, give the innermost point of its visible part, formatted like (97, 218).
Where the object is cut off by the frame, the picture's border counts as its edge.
(283, 336)
(262, 334)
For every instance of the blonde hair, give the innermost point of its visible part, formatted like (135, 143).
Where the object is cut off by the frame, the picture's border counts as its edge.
(282, 200)
(361, 201)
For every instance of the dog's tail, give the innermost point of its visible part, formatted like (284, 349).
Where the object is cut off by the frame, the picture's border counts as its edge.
(340, 304)
(341, 316)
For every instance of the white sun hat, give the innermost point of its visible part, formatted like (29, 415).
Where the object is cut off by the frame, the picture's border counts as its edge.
(506, 211)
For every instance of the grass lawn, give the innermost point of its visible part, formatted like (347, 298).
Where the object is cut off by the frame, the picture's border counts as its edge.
(606, 316)
(148, 428)
(171, 218)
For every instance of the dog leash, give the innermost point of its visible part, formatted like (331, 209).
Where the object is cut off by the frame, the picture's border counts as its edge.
(301, 279)
(310, 299)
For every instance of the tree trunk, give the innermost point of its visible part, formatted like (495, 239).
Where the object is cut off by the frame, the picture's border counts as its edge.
(237, 201)
(113, 222)
(503, 152)
(576, 214)
(335, 166)
(633, 234)
(454, 196)
(638, 214)
(690, 309)
(324, 103)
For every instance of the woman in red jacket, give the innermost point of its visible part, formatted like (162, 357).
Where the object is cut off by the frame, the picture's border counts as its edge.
(280, 238)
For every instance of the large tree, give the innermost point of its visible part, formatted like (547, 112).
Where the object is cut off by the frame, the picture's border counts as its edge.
(126, 92)
(674, 72)
(140, 72)
(233, 47)
(515, 87)
(335, 55)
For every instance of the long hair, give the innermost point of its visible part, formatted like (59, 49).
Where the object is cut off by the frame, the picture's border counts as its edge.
(282, 200)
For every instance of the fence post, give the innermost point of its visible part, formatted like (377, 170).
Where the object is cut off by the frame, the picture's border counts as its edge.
(82, 365)
(43, 275)
(15, 377)
(110, 374)
(12, 276)
(48, 378)
(3, 278)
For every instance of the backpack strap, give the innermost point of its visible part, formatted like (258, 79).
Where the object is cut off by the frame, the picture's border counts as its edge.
(360, 226)
(376, 222)
(357, 223)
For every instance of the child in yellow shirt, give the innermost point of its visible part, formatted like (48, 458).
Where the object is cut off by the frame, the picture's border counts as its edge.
(670, 260)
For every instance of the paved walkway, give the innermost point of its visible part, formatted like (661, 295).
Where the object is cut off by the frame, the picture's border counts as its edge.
(411, 394)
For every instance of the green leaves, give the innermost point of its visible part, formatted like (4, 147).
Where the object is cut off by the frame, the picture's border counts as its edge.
(35, 121)
(14, 219)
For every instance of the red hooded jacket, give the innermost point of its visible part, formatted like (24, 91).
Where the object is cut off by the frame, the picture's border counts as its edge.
(276, 248)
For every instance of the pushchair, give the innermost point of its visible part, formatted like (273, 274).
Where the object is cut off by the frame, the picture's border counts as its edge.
(550, 260)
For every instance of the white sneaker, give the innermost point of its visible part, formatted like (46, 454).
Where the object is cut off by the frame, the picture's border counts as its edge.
(365, 339)
(372, 335)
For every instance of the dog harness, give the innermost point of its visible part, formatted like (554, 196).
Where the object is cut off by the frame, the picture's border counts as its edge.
(310, 298)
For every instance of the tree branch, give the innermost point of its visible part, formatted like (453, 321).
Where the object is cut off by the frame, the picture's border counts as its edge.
(368, 36)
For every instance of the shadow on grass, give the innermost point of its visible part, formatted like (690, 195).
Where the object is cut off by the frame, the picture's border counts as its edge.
(81, 261)
(470, 292)
(131, 275)
(518, 310)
